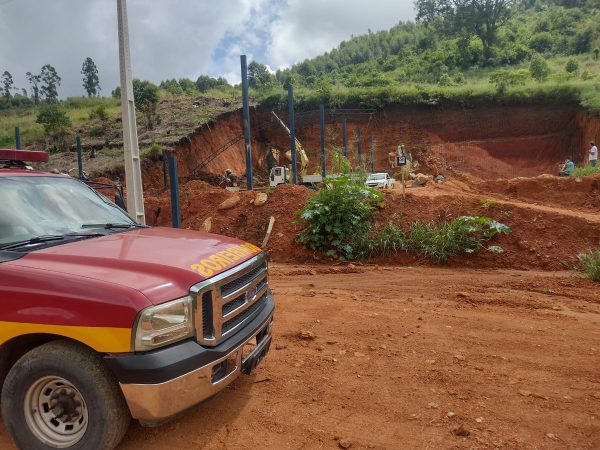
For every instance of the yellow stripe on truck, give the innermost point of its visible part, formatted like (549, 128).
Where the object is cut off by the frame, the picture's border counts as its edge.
(101, 339)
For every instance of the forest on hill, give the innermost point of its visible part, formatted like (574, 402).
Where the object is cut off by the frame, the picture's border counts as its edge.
(465, 52)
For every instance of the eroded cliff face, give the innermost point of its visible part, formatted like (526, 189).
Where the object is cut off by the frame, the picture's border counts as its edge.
(486, 141)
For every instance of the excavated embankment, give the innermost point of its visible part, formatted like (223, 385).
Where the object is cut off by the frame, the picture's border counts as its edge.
(488, 142)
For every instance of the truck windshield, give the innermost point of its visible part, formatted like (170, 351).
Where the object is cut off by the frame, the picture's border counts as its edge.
(377, 176)
(40, 206)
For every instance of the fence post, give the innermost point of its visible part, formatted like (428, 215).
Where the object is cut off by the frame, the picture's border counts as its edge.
(359, 147)
(344, 141)
(79, 157)
(322, 123)
(246, 115)
(164, 161)
(17, 138)
(174, 179)
(372, 147)
(290, 90)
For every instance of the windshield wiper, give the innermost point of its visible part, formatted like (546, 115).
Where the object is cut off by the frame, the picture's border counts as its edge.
(108, 226)
(48, 238)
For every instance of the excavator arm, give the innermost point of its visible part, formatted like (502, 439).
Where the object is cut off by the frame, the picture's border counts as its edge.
(303, 160)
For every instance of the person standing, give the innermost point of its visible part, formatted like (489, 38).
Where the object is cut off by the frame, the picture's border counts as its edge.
(593, 155)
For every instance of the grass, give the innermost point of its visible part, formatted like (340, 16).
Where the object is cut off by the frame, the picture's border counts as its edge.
(78, 110)
(586, 170)
(590, 264)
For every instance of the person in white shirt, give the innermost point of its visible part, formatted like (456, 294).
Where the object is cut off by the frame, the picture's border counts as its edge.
(593, 156)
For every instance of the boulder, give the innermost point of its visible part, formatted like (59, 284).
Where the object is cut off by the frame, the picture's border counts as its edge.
(420, 180)
(207, 225)
(230, 202)
(260, 199)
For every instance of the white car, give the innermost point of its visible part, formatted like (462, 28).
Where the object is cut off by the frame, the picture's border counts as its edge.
(380, 180)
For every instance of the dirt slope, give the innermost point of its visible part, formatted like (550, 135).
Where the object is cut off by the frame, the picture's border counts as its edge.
(547, 235)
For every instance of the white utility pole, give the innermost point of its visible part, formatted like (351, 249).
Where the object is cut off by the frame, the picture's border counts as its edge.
(133, 173)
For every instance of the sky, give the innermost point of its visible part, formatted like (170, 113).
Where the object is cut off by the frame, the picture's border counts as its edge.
(180, 38)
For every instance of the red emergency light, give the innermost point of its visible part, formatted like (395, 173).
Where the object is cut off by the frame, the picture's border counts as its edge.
(10, 154)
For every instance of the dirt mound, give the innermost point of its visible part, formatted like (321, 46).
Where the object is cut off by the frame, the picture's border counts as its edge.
(568, 192)
(542, 237)
(200, 200)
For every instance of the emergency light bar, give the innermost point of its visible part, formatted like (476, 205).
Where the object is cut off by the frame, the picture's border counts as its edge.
(9, 154)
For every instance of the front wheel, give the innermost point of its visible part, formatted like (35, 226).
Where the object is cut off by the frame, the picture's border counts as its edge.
(60, 395)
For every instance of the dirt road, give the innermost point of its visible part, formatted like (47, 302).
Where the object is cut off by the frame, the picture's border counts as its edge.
(382, 357)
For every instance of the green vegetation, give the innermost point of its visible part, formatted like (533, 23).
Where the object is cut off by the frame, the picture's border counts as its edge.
(583, 171)
(590, 264)
(146, 99)
(436, 240)
(487, 203)
(338, 220)
(337, 214)
(91, 82)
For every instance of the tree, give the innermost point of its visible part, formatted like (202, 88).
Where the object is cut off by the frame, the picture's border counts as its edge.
(7, 84)
(34, 80)
(538, 68)
(572, 66)
(480, 18)
(91, 82)
(56, 124)
(259, 76)
(51, 81)
(145, 95)
(204, 83)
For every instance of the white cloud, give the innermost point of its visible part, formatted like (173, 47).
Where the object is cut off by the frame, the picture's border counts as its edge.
(179, 38)
(308, 28)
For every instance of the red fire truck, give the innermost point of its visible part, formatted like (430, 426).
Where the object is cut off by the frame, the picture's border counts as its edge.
(103, 319)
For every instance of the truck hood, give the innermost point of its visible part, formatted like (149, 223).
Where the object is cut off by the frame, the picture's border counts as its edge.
(161, 263)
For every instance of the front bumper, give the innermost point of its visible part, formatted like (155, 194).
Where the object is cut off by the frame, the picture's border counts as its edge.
(163, 383)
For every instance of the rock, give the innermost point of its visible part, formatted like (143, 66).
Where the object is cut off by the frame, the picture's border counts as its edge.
(439, 178)
(551, 436)
(421, 179)
(432, 405)
(230, 202)
(450, 415)
(207, 225)
(308, 335)
(479, 420)
(461, 431)
(524, 393)
(312, 272)
(459, 357)
(359, 354)
(344, 443)
(260, 199)
(462, 295)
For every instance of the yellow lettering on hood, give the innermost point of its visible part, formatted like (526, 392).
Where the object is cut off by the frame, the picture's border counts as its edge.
(220, 260)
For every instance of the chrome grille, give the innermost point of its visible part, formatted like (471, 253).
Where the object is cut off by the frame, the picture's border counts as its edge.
(230, 299)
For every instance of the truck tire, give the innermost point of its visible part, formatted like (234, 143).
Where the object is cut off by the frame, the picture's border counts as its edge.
(60, 395)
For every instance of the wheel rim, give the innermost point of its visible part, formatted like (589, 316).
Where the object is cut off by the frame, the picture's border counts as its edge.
(55, 412)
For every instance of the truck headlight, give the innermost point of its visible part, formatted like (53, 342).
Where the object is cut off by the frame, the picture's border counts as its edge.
(164, 324)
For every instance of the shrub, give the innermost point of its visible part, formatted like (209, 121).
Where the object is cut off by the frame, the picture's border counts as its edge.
(504, 78)
(465, 234)
(572, 66)
(337, 214)
(590, 264)
(99, 113)
(53, 118)
(584, 171)
(538, 68)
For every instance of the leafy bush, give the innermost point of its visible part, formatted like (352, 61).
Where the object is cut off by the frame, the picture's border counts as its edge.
(538, 68)
(53, 118)
(572, 66)
(465, 234)
(584, 171)
(590, 264)
(337, 214)
(504, 78)
(99, 113)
